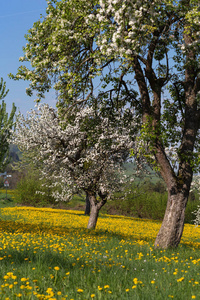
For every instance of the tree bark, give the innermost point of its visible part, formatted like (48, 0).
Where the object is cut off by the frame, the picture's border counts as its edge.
(95, 207)
(171, 230)
(87, 205)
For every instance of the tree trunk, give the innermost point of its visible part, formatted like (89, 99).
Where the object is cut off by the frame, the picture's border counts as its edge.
(95, 207)
(87, 205)
(171, 230)
(94, 213)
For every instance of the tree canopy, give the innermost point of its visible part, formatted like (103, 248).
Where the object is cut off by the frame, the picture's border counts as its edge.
(6, 126)
(139, 53)
(85, 154)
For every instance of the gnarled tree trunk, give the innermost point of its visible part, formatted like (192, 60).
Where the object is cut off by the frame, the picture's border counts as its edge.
(170, 233)
(95, 207)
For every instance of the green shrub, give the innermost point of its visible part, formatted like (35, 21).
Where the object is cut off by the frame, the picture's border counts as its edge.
(33, 191)
(147, 200)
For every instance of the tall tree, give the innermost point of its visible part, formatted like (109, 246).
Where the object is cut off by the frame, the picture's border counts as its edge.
(6, 126)
(153, 46)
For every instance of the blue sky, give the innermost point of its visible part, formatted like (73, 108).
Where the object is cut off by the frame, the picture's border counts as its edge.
(16, 18)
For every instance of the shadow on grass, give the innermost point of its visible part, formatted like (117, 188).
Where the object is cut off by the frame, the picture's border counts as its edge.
(16, 227)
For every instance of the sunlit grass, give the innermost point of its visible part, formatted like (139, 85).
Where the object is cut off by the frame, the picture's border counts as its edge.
(49, 254)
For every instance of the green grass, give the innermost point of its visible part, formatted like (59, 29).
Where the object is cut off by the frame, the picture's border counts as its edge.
(7, 199)
(55, 257)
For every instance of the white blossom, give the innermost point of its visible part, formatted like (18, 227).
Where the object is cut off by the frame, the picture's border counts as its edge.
(76, 156)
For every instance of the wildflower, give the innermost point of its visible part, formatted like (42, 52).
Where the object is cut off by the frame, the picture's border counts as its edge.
(92, 296)
(79, 290)
(56, 268)
(24, 279)
(106, 286)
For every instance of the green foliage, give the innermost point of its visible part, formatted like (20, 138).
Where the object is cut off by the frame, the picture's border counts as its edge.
(33, 191)
(3, 91)
(148, 200)
(6, 124)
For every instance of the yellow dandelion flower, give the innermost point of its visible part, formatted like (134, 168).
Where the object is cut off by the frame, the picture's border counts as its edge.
(56, 268)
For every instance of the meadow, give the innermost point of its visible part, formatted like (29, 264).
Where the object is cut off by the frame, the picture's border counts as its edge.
(49, 254)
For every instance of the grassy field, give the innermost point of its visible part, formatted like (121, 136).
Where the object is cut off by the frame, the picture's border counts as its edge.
(49, 254)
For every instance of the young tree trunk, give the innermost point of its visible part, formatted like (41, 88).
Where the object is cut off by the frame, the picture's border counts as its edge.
(95, 207)
(171, 230)
(87, 205)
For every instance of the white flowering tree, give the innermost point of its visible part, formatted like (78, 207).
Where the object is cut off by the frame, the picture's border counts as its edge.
(196, 187)
(153, 46)
(84, 154)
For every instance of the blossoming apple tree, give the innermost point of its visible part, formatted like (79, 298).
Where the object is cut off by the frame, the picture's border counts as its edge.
(125, 47)
(84, 154)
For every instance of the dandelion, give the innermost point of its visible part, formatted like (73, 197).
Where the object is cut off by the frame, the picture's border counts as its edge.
(79, 290)
(56, 268)
(24, 279)
(106, 286)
